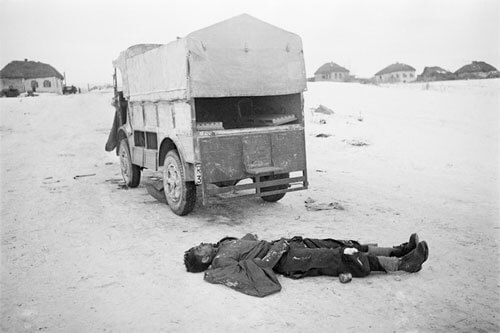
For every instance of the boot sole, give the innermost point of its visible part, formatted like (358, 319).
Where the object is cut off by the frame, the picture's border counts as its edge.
(414, 240)
(425, 250)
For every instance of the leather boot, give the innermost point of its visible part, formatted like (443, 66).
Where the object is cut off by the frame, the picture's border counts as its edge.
(405, 248)
(412, 262)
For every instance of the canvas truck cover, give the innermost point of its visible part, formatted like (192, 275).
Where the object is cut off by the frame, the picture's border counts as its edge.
(241, 56)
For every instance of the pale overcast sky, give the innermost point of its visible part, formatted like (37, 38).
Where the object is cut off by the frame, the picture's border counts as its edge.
(82, 38)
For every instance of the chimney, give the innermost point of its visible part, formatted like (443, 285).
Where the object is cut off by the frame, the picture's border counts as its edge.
(25, 59)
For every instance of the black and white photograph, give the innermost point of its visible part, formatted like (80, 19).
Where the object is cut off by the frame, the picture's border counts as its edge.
(250, 166)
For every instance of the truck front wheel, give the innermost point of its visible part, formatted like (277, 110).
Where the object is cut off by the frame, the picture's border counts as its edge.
(131, 173)
(180, 194)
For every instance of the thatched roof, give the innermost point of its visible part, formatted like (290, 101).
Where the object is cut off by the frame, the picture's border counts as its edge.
(331, 67)
(28, 70)
(476, 66)
(433, 70)
(435, 73)
(397, 67)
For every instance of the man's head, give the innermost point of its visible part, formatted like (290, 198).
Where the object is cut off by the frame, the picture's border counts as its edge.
(198, 258)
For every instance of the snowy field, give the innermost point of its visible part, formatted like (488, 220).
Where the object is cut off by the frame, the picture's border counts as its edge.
(81, 254)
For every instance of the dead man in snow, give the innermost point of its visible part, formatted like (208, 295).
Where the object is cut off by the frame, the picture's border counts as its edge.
(250, 265)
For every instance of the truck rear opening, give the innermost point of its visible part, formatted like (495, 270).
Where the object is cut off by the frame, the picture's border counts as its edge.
(248, 112)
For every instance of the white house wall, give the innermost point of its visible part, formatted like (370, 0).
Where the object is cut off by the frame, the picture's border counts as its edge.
(55, 85)
(334, 76)
(401, 76)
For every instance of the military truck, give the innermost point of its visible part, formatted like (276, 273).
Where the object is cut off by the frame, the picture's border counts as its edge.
(219, 111)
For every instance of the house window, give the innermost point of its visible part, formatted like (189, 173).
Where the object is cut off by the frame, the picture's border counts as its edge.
(404, 74)
(411, 74)
(34, 84)
(46, 84)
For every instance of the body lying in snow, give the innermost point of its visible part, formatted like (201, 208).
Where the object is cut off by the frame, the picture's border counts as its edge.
(250, 265)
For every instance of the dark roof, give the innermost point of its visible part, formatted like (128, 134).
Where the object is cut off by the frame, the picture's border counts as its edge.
(28, 70)
(476, 66)
(397, 67)
(331, 67)
(435, 73)
(434, 70)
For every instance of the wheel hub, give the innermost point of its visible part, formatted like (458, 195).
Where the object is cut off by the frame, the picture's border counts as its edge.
(173, 183)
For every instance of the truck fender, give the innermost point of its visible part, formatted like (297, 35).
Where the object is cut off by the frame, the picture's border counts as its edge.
(122, 134)
(168, 144)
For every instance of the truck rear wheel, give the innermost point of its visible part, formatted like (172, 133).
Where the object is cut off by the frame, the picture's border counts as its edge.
(278, 196)
(180, 194)
(131, 173)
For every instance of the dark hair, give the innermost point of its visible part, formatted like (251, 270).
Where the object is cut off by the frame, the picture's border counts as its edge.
(193, 263)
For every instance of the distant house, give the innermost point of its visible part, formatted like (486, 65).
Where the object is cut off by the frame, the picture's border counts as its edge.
(396, 73)
(435, 73)
(475, 70)
(331, 72)
(26, 75)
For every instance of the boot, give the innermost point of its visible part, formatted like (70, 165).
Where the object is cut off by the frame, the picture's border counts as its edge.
(405, 248)
(412, 262)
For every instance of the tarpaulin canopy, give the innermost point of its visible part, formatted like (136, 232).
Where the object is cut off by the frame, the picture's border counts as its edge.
(241, 56)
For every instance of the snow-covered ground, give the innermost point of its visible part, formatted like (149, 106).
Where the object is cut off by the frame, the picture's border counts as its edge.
(81, 254)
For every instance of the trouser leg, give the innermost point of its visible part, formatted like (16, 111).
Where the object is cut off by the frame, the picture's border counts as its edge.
(411, 262)
(388, 264)
(395, 251)
(301, 262)
(380, 251)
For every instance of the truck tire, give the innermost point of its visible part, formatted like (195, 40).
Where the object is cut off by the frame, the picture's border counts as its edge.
(180, 194)
(131, 173)
(274, 197)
